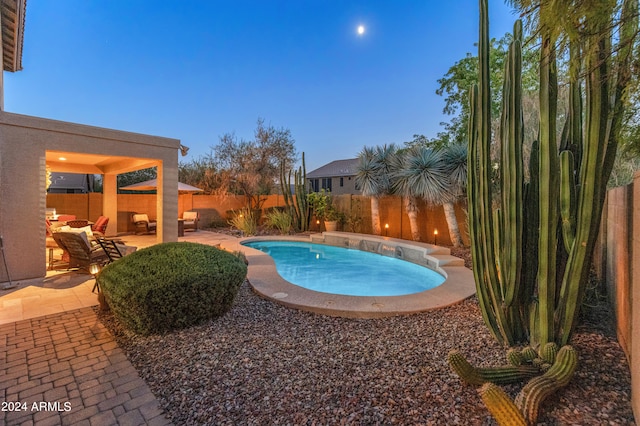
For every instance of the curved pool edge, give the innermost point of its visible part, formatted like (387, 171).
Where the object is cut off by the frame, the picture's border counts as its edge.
(266, 282)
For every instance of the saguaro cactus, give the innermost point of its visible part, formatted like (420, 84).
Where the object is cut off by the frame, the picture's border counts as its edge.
(531, 255)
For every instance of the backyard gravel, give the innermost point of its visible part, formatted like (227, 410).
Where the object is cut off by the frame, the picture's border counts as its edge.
(265, 364)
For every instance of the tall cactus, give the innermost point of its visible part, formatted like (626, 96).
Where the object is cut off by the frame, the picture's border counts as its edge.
(297, 203)
(532, 253)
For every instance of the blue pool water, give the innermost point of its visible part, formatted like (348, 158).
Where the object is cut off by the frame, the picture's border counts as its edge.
(338, 270)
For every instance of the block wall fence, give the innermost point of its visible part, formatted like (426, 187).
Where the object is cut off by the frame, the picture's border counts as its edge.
(214, 209)
(617, 262)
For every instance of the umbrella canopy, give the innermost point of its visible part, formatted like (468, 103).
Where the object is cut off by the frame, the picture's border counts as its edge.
(152, 185)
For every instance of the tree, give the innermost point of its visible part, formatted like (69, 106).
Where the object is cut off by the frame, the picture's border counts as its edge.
(251, 168)
(201, 172)
(136, 176)
(457, 82)
(373, 177)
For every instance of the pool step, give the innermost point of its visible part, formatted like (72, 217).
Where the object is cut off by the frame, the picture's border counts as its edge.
(416, 252)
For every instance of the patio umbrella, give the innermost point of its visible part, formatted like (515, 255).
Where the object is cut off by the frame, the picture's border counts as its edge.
(152, 185)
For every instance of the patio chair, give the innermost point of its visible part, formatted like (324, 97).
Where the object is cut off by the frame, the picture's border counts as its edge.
(143, 224)
(191, 220)
(100, 227)
(114, 250)
(80, 251)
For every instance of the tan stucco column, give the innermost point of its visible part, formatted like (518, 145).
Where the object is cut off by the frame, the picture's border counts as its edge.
(110, 201)
(167, 203)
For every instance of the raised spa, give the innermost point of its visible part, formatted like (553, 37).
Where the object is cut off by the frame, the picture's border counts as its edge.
(343, 271)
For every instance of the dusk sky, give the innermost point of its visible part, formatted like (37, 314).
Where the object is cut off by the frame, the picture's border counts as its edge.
(195, 70)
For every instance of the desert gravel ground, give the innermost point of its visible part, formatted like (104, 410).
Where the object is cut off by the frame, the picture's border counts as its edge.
(265, 364)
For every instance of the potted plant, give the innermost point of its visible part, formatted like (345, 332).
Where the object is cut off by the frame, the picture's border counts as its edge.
(323, 209)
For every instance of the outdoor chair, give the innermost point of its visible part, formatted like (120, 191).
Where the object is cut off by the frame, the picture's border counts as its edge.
(143, 225)
(80, 251)
(114, 250)
(191, 220)
(100, 227)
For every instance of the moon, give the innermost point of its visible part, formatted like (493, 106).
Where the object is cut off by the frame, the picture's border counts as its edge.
(361, 29)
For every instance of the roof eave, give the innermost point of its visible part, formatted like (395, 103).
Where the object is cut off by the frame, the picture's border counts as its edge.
(13, 20)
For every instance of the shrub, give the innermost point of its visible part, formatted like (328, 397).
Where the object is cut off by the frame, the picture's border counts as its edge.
(280, 220)
(171, 286)
(245, 220)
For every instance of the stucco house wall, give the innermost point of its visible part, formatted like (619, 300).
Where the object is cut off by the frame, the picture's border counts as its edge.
(24, 144)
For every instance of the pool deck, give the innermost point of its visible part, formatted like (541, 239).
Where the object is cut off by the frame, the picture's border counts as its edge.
(266, 282)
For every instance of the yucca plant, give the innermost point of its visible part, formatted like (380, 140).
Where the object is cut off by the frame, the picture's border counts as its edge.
(373, 178)
(419, 172)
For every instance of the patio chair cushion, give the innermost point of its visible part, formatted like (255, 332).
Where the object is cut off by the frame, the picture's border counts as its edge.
(66, 228)
(140, 217)
(100, 227)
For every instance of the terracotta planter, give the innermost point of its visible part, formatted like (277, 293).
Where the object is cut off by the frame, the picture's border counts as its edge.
(330, 225)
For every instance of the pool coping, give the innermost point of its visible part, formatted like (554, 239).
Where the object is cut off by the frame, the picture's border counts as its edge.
(266, 282)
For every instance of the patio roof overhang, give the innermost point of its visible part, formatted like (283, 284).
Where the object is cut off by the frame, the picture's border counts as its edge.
(12, 13)
(75, 162)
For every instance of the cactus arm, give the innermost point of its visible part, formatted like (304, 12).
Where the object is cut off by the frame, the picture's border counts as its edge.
(539, 388)
(589, 205)
(548, 190)
(567, 199)
(511, 176)
(498, 375)
(501, 407)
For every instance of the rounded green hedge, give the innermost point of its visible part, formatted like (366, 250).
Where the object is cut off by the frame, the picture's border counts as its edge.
(171, 286)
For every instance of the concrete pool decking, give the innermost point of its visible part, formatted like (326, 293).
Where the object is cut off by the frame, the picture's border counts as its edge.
(266, 281)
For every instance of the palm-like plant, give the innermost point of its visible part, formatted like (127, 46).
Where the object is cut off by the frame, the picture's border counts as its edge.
(420, 173)
(373, 177)
(455, 162)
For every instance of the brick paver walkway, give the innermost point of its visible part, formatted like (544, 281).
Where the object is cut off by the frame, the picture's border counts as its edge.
(67, 369)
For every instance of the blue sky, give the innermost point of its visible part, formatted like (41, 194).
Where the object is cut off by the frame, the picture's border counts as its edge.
(195, 70)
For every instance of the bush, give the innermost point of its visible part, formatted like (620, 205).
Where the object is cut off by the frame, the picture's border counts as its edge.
(280, 220)
(171, 286)
(244, 220)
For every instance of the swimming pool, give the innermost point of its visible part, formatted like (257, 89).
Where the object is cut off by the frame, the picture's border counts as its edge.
(337, 270)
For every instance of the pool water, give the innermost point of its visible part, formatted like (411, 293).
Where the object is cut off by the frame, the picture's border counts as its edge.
(338, 270)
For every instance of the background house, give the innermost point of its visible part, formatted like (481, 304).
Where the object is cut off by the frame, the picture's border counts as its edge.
(71, 183)
(338, 176)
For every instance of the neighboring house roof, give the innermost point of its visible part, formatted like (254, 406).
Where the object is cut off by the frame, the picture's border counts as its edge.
(335, 168)
(71, 181)
(13, 15)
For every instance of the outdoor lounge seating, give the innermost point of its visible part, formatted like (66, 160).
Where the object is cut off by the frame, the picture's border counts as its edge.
(143, 224)
(80, 251)
(100, 227)
(191, 220)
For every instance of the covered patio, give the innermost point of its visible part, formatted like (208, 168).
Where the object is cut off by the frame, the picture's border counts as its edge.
(29, 144)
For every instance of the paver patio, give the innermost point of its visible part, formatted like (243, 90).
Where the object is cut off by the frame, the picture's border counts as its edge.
(60, 365)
